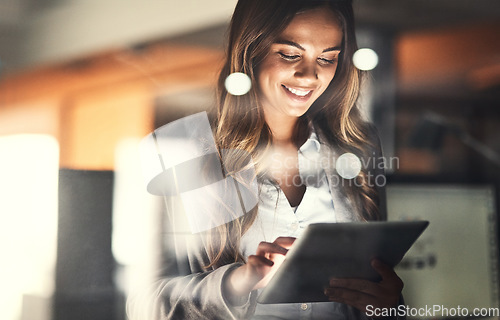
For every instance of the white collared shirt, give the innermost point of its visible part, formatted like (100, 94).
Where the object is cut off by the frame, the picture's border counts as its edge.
(277, 218)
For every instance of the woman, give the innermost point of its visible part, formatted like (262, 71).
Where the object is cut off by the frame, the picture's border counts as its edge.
(301, 107)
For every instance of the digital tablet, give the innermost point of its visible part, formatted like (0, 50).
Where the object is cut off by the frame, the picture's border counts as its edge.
(338, 250)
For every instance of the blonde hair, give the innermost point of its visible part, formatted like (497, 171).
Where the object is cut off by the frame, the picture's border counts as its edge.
(239, 120)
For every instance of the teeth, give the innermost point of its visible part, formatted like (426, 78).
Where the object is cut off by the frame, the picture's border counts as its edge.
(300, 93)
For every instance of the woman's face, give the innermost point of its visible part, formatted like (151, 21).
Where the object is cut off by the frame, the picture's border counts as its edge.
(300, 65)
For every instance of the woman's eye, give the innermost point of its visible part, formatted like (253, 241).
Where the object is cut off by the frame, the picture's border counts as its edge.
(327, 61)
(289, 57)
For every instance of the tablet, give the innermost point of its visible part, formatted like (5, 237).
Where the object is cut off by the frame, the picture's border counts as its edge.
(338, 250)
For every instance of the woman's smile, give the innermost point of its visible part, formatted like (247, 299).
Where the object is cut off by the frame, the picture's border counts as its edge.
(297, 94)
(300, 65)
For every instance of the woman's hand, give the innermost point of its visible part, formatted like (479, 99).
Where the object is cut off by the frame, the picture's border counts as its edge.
(255, 274)
(361, 293)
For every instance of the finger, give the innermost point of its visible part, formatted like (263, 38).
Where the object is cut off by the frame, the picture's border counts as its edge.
(387, 273)
(353, 298)
(285, 242)
(267, 247)
(361, 285)
(258, 261)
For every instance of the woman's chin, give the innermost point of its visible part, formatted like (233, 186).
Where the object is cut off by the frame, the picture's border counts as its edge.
(297, 112)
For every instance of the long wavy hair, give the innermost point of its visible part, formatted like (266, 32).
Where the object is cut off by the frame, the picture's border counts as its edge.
(239, 120)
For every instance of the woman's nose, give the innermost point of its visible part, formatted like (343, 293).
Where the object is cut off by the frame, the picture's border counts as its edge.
(306, 70)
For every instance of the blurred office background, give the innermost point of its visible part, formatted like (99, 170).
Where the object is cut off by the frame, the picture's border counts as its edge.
(81, 82)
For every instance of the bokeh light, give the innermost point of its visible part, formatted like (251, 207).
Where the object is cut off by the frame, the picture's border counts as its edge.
(365, 59)
(238, 84)
(348, 165)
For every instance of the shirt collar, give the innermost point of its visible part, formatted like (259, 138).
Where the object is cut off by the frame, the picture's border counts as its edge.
(312, 143)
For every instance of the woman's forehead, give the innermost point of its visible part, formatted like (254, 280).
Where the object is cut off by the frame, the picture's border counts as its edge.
(318, 25)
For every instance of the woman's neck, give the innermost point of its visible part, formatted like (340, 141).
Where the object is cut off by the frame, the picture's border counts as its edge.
(282, 128)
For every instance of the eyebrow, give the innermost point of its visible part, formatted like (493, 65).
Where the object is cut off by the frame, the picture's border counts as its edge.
(298, 46)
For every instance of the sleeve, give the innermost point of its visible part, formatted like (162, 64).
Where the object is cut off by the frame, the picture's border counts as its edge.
(194, 296)
(185, 289)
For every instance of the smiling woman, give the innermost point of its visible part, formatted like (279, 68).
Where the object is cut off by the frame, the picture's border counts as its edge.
(298, 118)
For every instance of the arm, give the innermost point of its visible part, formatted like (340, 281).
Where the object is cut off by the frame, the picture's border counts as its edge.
(194, 296)
(223, 293)
(185, 289)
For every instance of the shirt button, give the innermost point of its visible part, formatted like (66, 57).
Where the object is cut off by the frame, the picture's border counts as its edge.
(304, 306)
